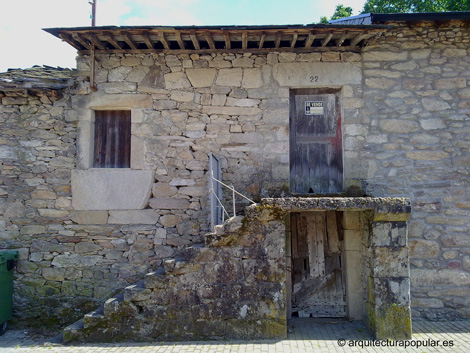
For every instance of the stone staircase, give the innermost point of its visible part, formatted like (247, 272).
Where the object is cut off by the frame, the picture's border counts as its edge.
(231, 288)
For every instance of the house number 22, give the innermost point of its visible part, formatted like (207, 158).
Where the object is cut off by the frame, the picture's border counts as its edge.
(313, 78)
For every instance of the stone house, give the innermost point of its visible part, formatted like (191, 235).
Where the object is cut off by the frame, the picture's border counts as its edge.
(350, 137)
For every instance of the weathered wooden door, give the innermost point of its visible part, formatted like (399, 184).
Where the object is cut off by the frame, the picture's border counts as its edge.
(316, 148)
(318, 285)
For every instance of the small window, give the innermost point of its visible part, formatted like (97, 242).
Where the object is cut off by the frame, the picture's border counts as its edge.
(112, 139)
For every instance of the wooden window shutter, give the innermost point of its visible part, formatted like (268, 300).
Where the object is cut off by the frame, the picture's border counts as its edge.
(112, 139)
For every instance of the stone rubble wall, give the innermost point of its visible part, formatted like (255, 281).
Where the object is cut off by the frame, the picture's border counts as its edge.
(235, 288)
(405, 103)
(66, 267)
(412, 140)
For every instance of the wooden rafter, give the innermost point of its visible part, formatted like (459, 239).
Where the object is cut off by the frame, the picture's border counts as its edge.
(294, 40)
(162, 39)
(309, 41)
(341, 39)
(358, 38)
(244, 40)
(71, 41)
(374, 39)
(195, 41)
(179, 40)
(209, 40)
(128, 39)
(144, 40)
(147, 40)
(278, 39)
(261, 40)
(80, 40)
(110, 39)
(228, 44)
(327, 39)
(92, 38)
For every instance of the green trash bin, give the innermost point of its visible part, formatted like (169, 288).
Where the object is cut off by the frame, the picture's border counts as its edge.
(7, 263)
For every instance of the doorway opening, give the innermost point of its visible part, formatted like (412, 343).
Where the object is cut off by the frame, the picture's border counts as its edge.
(318, 285)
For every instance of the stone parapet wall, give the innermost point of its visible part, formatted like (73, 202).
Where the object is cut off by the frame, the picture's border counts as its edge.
(413, 142)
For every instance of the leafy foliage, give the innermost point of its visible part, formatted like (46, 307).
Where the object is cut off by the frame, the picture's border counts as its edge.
(407, 6)
(340, 12)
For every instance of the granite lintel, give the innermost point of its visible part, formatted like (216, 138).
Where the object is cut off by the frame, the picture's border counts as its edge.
(385, 208)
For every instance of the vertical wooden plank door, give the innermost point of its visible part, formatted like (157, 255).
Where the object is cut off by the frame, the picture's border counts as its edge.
(318, 285)
(316, 148)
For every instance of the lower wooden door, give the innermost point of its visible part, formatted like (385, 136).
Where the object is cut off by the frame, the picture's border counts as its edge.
(318, 284)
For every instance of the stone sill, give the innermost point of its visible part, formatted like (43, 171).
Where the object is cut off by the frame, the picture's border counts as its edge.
(111, 189)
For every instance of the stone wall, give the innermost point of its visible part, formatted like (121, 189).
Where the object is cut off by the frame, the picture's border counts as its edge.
(413, 142)
(234, 288)
(70, 261)
(405, 103)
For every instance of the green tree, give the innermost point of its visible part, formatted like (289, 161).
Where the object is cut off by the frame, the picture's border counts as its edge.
(340, 12)
(406, 6)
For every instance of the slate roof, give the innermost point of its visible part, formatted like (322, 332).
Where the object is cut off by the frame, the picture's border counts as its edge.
(381, 18)
(36, 77)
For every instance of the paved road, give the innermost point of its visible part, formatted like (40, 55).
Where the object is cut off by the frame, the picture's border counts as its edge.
(305, 335)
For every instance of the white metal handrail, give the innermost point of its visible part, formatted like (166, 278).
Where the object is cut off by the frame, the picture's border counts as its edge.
(217, 198)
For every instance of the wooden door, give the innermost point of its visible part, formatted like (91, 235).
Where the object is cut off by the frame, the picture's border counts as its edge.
(316, 148)
(318, 285)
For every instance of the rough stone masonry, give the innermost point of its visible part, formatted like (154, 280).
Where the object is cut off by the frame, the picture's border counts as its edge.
(405, 105)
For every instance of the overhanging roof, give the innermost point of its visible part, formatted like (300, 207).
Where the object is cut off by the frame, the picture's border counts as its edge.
(210, 39)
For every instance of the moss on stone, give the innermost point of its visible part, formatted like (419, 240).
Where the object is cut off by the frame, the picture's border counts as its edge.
(393, 322)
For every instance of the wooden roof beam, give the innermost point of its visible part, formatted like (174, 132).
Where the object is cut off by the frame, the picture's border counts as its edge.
(195, 41)
(209, 40)
(80, 40)
(374, 38)
(228, 44)
(294, 40)
(261, 40)
(179, 40)
(92, 38)
(341, 40)
(358, 38)
(109, 38)
(69, 40)
(162, 39)
(244, 40)
(327, 39)
(147, 40)
(309, 41)
(278, 39)
(128, 39)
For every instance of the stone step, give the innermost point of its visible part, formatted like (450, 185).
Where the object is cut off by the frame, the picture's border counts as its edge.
(73, 332)
(137, 292)
(93, 317)
(155, 279)
(111, 305)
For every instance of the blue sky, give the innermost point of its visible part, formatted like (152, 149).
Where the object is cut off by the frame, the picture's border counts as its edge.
(23, 43)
